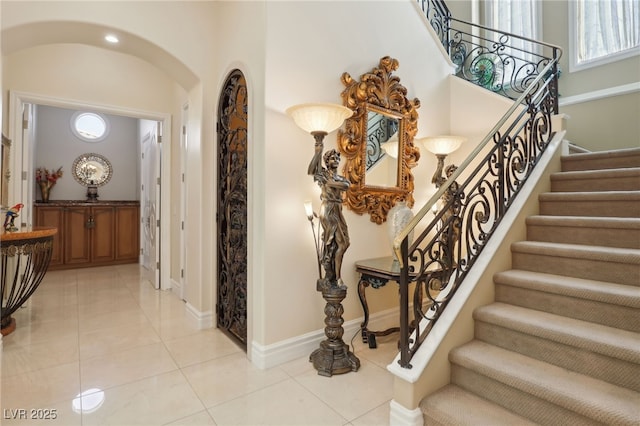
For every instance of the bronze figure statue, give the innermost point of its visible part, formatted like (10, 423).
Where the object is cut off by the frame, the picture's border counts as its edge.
(335, 237)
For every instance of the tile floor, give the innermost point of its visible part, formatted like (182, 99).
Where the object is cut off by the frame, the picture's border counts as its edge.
(107, 333)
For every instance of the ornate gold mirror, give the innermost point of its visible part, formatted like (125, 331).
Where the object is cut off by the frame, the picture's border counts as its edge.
(377, 142)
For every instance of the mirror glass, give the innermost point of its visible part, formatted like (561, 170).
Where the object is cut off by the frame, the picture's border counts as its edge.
(377, 141)
(381, 162)
(92, 169)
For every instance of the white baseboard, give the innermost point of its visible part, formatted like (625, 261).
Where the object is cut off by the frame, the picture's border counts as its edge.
(200, 320)
(267, 356)
(399, 415)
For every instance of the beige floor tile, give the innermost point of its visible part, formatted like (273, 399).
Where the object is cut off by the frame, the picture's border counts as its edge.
(153, 401)
(352, 394)
(31, 332)
(126, 366)
(199, 419)
(116, 339)
(284, 403)
(41, 388)
(126, 318)
(229, 377)
(377, 417)
(202, 346)
(22, 358)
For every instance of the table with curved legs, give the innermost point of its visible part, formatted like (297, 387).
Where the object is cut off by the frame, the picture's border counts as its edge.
(25, 257)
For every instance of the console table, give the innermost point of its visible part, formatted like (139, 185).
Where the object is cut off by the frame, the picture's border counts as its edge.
(25, 257)
(376, 273)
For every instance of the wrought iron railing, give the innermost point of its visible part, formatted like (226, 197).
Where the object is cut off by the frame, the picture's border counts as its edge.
(448, 242)
(502, 62)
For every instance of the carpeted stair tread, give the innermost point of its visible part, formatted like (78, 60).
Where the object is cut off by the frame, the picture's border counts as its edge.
(585, 221)
(597, 174)
(590, 196)
(624, 179)
(593, 203)
(452, 405)
(607, 254)
(608, 341)
(578, 393)
(618, 232)
(610, 293)
(602, 160)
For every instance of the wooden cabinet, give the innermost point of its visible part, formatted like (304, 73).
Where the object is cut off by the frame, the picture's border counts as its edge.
(91, 234)
(54, 217)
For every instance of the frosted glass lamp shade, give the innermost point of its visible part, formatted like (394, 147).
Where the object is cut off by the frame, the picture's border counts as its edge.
(443, 145)
(391, 148)
(319, 117)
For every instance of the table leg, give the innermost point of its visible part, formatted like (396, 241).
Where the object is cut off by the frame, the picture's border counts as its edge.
(362, 285)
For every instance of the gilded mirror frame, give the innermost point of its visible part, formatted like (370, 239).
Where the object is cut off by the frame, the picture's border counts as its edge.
(382, 92)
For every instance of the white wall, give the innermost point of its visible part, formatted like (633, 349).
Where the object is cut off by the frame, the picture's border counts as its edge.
(309, 46)
(56, 145)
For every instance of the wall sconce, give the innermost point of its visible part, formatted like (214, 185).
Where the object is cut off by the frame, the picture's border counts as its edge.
(333, 356)
(442, 146)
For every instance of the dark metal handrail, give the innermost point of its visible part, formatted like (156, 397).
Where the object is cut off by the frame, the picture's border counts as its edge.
(487, 57)
(469, 212)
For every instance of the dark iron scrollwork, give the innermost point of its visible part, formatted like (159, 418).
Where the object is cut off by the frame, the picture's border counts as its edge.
(470, 213)
(504, 63)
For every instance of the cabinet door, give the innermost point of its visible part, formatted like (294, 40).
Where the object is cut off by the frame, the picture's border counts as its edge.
(127, 233)
(102, 234)
(53, 217)
(76, 239)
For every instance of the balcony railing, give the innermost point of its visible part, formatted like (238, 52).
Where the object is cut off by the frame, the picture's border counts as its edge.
(502, 62)
(469, 212)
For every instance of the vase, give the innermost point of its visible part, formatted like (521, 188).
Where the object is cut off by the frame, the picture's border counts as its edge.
(398, 218)
(44, 191)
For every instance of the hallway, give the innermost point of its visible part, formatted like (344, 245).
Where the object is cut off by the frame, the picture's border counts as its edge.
(106, 332)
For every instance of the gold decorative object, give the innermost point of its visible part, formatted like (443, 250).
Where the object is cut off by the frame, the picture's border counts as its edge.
(378, 95)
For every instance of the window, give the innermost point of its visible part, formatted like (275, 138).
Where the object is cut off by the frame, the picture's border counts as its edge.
(89, 126)
(519, 17)
(603, 31)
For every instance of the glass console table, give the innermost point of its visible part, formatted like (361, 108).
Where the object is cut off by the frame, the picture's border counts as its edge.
(25, 257)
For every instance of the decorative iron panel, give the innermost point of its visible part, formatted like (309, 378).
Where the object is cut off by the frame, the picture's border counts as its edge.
(231, 308)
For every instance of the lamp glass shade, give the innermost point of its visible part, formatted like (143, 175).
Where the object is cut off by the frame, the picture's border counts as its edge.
(443, 145)
(391, 148)
(308, 208)
(319, 117)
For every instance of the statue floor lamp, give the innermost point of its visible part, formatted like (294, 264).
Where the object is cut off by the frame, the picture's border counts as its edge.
(333, 355)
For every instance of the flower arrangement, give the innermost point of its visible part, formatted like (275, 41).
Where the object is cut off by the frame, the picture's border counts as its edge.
(46, 180)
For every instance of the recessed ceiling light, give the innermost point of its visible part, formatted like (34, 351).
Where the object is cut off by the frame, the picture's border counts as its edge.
(111, 38)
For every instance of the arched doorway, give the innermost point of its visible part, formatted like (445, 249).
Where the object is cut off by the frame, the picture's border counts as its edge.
(231, 307)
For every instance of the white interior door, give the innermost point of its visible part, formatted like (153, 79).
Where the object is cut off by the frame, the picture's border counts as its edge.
(150, 201)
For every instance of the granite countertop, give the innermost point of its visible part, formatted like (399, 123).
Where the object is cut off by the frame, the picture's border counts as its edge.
(56, 203)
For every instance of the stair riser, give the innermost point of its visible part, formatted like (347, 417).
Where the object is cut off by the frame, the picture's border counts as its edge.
(590, 208)
(515, 400)
(607, 237)
(573, 164)
(583, 361)
(630, 183)
(600, 270)
(611, 315)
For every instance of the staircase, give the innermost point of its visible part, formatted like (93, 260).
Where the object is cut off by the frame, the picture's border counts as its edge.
(561, 343)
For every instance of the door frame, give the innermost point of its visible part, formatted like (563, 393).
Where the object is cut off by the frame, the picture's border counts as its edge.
(17, 101)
